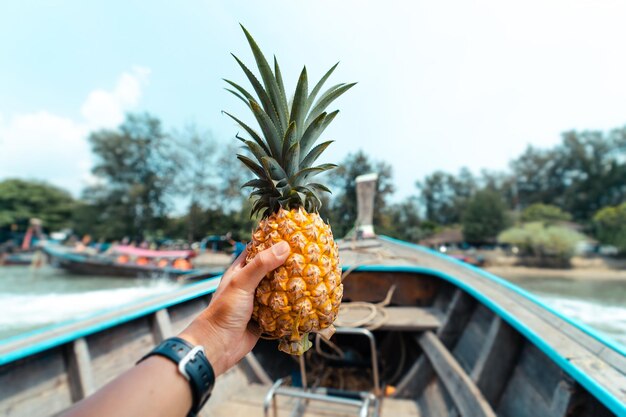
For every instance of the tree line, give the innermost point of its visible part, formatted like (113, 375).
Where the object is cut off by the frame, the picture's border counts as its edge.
(144, 172)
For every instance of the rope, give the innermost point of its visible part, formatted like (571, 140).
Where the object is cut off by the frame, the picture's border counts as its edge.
(318, 348)
(353, 306)
(376, 317)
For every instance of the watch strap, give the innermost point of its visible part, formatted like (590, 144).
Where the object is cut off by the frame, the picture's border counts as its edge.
(193, 366)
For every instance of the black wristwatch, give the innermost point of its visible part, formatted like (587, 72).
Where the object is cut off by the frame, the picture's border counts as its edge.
(192, 364)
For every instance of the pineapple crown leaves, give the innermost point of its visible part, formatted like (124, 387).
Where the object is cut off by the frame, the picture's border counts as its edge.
(283, 154)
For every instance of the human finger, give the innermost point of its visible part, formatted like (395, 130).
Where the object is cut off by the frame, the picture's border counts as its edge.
(235, 267)
(249, 277)
(239, 262)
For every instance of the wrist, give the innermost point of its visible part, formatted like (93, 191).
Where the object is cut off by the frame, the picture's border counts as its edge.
(192, 366)
(205, 336)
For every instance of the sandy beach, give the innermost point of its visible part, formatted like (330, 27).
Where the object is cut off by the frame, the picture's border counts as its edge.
(586, 274)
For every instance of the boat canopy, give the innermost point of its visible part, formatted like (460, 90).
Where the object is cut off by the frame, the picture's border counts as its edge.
(149, 253)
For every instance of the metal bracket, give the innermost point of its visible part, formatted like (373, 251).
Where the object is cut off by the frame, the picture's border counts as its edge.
(322, 394)
(318, 394)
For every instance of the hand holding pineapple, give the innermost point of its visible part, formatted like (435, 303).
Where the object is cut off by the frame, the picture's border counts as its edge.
(304, 294)
(222, 328)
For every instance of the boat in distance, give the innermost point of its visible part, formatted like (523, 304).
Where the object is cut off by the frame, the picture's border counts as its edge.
(419, 334)
(18, 258)
(129, 262)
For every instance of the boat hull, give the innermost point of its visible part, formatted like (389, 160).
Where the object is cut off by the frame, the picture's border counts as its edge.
(13, 259)
(454, 342)
(80, 264)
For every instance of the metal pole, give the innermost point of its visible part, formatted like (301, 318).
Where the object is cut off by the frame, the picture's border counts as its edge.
(269, 399)
(290, 392)
(372, 340)
(303, 372)
(365, 408)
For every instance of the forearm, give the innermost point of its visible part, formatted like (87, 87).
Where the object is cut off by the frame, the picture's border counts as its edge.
(153, 388)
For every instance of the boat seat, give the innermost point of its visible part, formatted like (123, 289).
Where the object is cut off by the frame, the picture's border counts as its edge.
(372, 316)
(411, 319)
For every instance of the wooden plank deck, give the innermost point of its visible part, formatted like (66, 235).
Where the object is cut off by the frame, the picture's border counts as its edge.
(248, 402)
(470, 352)
(466, 396)
(598, 361)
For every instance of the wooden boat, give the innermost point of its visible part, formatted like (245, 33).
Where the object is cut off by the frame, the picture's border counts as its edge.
(451, 340)
(19, 258)
(125, 261)
(27, 251)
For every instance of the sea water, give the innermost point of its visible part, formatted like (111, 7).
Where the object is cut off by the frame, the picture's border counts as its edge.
(33, 299)
(601, 304)
(36, 298)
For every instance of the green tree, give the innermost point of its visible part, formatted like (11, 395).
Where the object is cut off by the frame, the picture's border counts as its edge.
(502, 183)
(444, 195)
(544, 213)
(21, 200)
(546, 245)
(538, 177)
(343, 208)
(484, 217)
(582, 174)
(196, 180)
(610, 226)
(232, 176)
(136, 173)
(403, 221)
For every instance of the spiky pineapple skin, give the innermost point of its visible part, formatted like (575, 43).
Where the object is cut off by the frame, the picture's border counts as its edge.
(303, 295)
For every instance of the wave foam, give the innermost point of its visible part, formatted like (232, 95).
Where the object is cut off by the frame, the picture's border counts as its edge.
(21, 310)
(608, 319)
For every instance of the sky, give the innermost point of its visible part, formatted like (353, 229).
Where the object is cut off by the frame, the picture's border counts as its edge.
(441, 84)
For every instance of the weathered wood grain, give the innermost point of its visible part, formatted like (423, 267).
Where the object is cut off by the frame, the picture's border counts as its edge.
(537, 387)
(513, 375)
(182, 314)
(248, 401)
(35, 386)
(117, 349)
(435, 400)
(411, 290)
(455, 319)
(457, 316)
(600, 362)
(469, 345)
(256, 369)
(79, 371)
(466, 396)
(161, 325)
(497, 359)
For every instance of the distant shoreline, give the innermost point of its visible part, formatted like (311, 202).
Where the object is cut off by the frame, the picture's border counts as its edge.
(579, 274)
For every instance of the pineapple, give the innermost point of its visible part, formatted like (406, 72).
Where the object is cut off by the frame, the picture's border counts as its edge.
(304, 294)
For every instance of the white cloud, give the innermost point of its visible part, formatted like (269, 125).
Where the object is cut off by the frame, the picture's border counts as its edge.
(106, 108)
(54, 148)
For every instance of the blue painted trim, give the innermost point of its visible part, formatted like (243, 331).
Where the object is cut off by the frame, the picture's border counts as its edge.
(613, 344)
(97, 327)
(597, 390)
(607, 398)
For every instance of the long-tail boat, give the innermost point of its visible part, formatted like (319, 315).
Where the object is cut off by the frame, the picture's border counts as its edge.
(418, 334)
(19, 258)
(128, 261)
